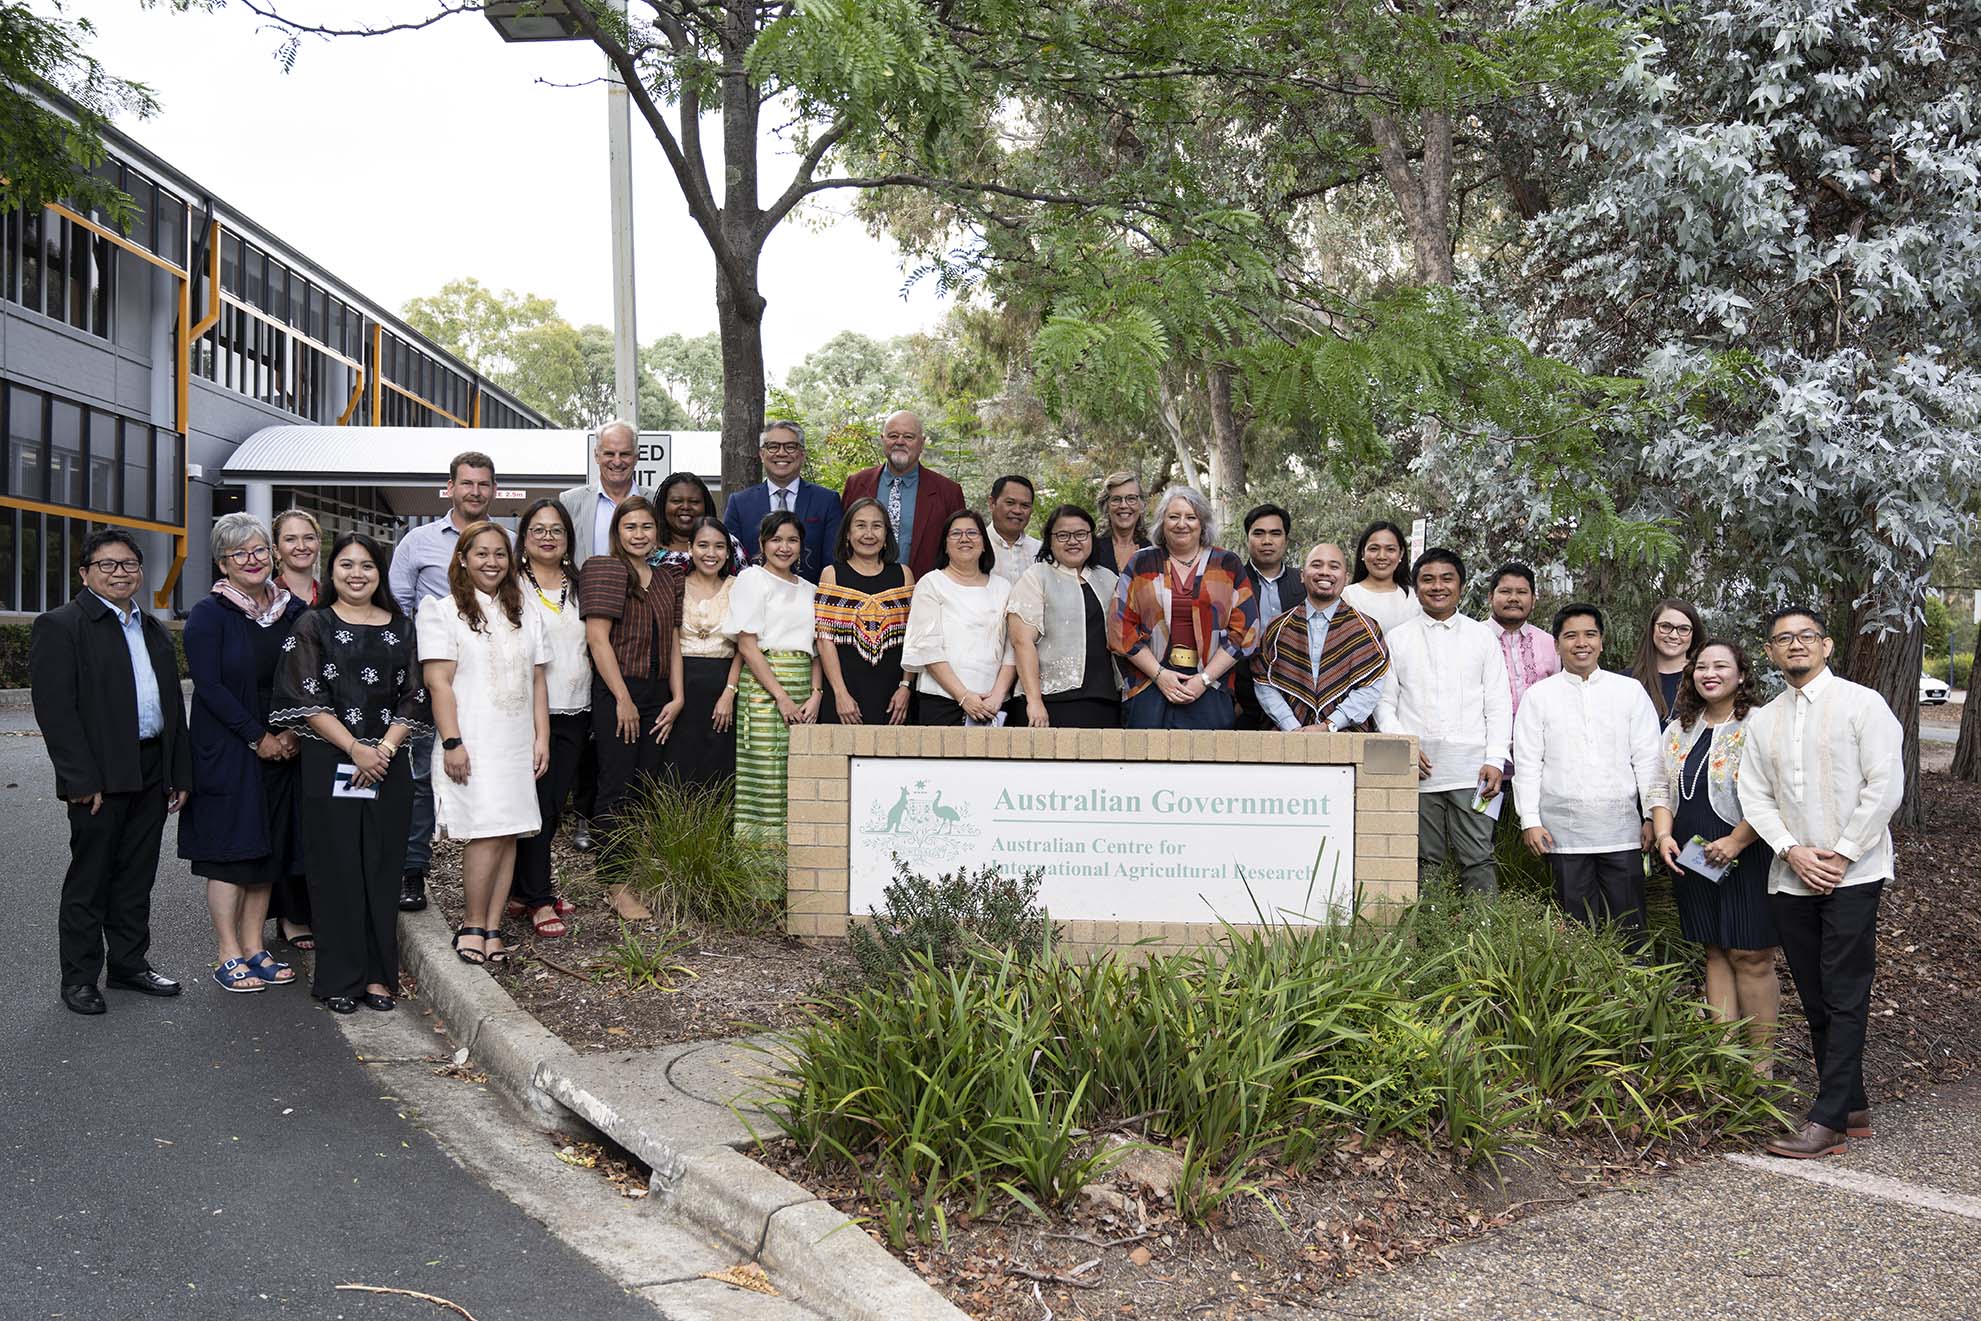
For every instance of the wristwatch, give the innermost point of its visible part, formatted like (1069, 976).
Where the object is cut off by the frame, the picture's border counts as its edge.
(449, 744)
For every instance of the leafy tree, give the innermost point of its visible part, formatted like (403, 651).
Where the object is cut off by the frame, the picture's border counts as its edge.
(46, 155)
(1779, 234)
(689, 369)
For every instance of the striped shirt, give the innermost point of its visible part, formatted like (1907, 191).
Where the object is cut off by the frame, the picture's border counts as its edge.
(643, 622)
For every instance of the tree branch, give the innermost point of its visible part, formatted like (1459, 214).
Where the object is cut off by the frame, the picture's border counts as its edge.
(801, 179)
(272, 14)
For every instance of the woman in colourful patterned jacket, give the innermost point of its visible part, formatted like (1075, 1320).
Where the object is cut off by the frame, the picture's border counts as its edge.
(1184, 617)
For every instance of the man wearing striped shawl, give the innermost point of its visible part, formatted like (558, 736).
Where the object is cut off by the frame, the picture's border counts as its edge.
(1321, 664)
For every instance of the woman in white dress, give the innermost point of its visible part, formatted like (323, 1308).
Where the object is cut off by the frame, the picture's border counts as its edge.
(550, 593)
(956, 631)
(484, 660)
(771, 618)
(1381, 588)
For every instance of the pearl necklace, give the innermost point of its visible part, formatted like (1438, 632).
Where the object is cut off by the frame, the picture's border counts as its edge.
(1686, 791)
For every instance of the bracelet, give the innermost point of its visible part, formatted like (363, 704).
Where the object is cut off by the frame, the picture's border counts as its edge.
(902, 684)
(728, 687)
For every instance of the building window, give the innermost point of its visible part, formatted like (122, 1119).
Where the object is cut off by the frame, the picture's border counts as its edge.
(27, 450)
(30, 562)
(103, 463)
(137, 469)
(65, 453)
(10, 520)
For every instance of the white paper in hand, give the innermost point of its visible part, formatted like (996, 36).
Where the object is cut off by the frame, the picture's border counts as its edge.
(341, 786)
(1489, 808)
(1693, 858)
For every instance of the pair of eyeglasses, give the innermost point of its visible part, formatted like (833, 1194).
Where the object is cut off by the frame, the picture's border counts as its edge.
(551, 533)
(252, 555)
(116, 568)
(783, 447)
(1123, 501)
(1674, 630)
(1808, 637)
(1071, 538)
(965, 534)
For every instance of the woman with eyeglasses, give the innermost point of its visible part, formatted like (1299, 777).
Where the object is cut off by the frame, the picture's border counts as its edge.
(863, 619)
(1184, 618)
(956, 630)
(1058, 624)
(772, 619)
(298, 543)
(1671, 640)
(352, 687)
(1121, 534)
(549, 586)
(239, 827)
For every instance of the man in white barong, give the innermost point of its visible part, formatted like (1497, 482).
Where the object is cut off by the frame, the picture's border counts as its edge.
(1823, 772)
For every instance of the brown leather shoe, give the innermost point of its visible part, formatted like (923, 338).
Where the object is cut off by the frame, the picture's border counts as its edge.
(1859, 1124)
(1809, 1142)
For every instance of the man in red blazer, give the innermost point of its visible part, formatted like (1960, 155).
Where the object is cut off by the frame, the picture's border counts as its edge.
(918, 500)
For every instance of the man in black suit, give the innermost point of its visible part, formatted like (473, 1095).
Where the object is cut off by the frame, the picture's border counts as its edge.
(106, 695)
(1277, 587)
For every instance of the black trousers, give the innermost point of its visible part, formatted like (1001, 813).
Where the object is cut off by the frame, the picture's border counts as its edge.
(354, 852)
(584, 784)
(569, 735)
(1600, 888)
(623, 766)
(1831, 942)
(106, 893)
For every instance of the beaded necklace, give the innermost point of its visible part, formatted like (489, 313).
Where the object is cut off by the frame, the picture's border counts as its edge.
(563, 594)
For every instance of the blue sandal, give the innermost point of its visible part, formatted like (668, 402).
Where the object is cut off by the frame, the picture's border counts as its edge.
(233, 976)
(263, 965)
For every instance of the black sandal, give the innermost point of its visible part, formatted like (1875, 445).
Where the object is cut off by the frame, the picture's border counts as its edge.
(497, 955)
(470, 956)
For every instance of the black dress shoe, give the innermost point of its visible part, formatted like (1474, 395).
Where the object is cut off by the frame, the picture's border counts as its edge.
(341, 1004)
(83, 999)
(384, 1004)
(147, 982)
(412, 893)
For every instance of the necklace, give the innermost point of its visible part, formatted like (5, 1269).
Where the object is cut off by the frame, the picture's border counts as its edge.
(1685, 790)
(563, 593)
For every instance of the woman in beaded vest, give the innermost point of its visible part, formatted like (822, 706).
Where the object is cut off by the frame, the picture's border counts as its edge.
(1058, 626)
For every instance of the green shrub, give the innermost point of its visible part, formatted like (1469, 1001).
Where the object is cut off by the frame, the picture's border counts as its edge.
(1471, 1026)
(937, 920)
(14, 651)
(1962, 667)
(654, 963)
(676, 847)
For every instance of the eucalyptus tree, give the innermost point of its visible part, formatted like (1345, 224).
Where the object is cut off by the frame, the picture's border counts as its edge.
(46, 155)
(1779, 233)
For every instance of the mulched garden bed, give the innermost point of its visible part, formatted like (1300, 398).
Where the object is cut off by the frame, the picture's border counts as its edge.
(1124, 1253)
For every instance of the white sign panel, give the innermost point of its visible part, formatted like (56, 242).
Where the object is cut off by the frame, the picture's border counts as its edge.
(1117, 841)
(653, 460)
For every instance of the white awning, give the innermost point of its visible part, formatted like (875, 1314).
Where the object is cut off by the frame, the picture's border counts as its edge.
(419, 456)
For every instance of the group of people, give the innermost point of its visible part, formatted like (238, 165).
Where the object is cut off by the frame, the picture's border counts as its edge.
(617, 639)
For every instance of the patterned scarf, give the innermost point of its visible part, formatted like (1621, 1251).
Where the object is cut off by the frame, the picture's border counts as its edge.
(241, 601)
(1351, 655)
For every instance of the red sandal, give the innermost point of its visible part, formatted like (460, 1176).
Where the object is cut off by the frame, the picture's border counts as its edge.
(550, 926)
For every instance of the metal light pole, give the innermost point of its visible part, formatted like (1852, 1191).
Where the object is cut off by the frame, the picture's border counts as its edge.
(550, 20)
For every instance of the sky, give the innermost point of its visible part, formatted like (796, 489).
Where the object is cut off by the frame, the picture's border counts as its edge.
(404, 161)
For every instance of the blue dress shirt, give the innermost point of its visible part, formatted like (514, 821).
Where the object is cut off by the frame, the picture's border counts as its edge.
(151, 709)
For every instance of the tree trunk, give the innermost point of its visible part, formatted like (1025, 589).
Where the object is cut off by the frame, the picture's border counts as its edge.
(1890, 664)
(1170, 409)
(1228, 479)
(1967, 752)
(740, 327)
(1423, 194)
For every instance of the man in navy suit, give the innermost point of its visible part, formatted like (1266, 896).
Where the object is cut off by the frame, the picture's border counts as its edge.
(782, 448)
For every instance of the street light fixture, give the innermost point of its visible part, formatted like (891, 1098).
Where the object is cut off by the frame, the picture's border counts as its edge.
(552, 20)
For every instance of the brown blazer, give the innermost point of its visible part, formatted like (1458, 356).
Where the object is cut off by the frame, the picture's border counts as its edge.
(936, 498)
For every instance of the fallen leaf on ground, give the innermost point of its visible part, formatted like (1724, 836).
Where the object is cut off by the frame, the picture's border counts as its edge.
(744, 1275)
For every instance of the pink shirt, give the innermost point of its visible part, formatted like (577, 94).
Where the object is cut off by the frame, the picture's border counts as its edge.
(1530, 657)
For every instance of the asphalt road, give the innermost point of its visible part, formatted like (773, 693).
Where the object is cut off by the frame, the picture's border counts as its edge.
(218, 1156)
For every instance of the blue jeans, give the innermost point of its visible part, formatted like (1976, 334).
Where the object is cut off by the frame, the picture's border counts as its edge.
(419, 835)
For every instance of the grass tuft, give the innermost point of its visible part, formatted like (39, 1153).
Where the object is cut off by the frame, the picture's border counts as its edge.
(676, 847)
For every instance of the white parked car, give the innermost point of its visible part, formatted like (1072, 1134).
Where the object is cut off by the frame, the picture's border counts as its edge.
(1932, 692)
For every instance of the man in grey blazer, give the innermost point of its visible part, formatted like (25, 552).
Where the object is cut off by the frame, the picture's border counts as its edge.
(590, 507)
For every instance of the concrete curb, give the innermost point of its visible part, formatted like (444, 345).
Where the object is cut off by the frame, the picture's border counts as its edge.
(816, 1255)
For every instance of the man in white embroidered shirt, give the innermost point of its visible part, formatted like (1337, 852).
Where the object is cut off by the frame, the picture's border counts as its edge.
(1447, 685)
(1823, 772)
(1016, 550)
(1586, 743)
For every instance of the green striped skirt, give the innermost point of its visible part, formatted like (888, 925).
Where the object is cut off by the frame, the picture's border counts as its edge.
(763, 745)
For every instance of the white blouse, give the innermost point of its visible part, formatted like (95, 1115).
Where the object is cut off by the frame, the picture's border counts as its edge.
(568, 677)
(778, 613)
(963, 626)
(1387, 608)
